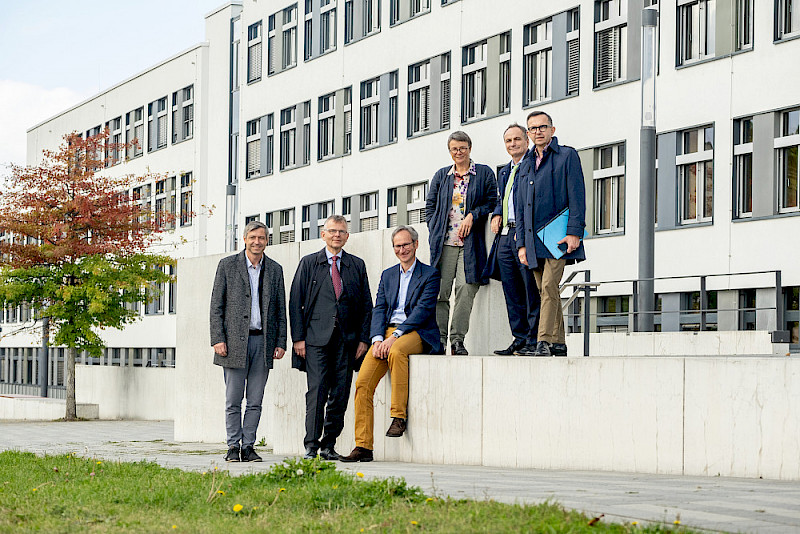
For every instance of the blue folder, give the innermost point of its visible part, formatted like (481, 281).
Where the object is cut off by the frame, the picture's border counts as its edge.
(553, 232)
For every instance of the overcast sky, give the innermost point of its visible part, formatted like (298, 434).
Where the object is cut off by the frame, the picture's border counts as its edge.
(56, 53)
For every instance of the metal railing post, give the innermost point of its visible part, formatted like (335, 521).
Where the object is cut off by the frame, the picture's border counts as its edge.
(703, 303)
(586, 299)
(779, 325)
(635, 305)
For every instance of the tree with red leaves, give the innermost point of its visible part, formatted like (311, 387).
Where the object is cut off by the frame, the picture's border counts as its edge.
(75, 247)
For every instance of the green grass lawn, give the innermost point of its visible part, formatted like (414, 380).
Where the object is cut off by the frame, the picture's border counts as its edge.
(74, 494)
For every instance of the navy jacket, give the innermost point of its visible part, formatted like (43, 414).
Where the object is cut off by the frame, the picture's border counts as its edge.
(542, 194)
(423, 290)
(354, 307)
(492, 271)
(481, 200)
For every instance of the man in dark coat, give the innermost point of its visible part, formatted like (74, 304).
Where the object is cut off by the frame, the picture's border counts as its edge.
(402, 324)
(330, 309)
(519, 285)
(460, 198)
(248, 331)
(552, 182)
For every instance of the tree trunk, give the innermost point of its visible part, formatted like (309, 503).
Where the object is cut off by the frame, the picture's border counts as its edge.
(72, 411)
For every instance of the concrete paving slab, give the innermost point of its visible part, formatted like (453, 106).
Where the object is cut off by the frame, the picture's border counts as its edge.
(714, 504)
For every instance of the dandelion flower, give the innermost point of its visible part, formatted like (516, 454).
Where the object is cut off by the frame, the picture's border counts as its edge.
(677, 522)
(414, 523)
(99, 463)
(319, 471)
(635, 523)
(300, 472)
(174, 526)
(429, 499)
(360, 474)
(34, 489)
(255, 508)
(282, 489)
(205, 473)
(237, 507)
(335, 486)
(221, 492)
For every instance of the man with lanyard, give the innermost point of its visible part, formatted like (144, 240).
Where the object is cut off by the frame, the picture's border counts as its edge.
(519, 286)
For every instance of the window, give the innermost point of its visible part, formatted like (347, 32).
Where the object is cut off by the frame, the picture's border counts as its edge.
(476, 101)
(374, 107)
(786, 148)
(134, 133)
(288, 137)
(609, 189)
(114, 141)
(157, 124)
(573, 51)
(287, 226)
(155, 299)
(610, 41)
(368, 212)
(691, 310)
(747, 309)
(417, 193)
(744, 24)
(253, 155)
(165, 203)
(334, 126)
(186, 199)
(787, 19)
(306, 216)
(695, 174)
(314, 45)
(505, 72)
(695, 40)
(362, 18)
(289, 35)
(254, 39)
(403, 10)
(282, 40)
(743, 166)
(537, 68)
(182, 114)
(429, 95)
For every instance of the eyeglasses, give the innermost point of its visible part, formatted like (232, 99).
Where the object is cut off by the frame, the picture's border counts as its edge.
(459, 149)
(403, 245)
(541, 128)
(335, 232)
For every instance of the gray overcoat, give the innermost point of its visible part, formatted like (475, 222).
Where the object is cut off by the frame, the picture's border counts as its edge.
(230, 310)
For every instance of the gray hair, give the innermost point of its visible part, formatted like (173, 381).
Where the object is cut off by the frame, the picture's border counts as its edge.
(254, 225)
(516, 125)
(459, 136)
(536, 114)
(336, 219)
(402, 228)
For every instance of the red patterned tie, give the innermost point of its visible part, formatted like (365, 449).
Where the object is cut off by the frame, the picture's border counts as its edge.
(336, 278)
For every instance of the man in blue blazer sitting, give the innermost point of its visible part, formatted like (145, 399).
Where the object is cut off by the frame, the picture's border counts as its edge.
(403, 323)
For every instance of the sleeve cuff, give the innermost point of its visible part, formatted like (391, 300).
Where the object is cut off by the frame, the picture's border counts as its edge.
(376, 339)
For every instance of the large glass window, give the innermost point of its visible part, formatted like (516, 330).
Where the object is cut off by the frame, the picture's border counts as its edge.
(696, 174)
(743, 166)
(696, 35)
(609, 188)
(610, 41)
(786, 148)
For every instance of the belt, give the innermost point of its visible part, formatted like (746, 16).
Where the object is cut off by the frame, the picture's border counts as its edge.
(394, 324)
(511, 224)
(255, 332)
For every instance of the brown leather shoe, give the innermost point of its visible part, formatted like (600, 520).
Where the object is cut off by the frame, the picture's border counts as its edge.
(397, 428)
(359, 454)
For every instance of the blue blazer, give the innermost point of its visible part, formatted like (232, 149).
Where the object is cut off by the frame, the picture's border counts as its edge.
(541, 195)
(481, 200)
(423, 290)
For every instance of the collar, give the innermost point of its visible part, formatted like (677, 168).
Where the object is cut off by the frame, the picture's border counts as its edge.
(249, 264)
(471, 170)
(410, 269)
(329, 254)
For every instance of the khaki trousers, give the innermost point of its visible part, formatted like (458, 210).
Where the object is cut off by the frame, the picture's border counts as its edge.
(371, 373)
(451, 266)
(551, 319)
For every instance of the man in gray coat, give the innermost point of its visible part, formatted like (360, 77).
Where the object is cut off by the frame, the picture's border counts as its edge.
(248, 331)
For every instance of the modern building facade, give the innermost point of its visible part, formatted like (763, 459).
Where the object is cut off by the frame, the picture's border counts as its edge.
(292, 111)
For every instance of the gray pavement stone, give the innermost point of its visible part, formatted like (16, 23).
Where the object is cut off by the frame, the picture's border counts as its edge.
(714, 504)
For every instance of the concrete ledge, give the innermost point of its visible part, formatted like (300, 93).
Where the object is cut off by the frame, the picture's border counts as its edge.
(146, 393)
(708, 343)
(21, 408)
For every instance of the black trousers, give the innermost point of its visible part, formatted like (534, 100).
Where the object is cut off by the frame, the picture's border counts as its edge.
(519, 288)
(329, 374)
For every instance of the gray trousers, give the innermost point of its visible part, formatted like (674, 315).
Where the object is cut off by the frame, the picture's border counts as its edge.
(451, 266)
(250, 380)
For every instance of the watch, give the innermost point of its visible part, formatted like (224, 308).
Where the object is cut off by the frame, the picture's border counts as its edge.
(396, 335)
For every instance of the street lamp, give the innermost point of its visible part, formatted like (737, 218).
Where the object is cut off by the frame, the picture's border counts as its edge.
(647, 172)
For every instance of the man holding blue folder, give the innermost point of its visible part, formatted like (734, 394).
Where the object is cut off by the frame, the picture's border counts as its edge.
(552, 184)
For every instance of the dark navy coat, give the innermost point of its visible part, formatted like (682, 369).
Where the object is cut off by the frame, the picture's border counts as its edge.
(481, 200)
(492, 270)
(543, 194)
(420, 308)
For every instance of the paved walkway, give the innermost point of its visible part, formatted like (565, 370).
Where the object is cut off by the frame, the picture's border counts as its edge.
(716, 504)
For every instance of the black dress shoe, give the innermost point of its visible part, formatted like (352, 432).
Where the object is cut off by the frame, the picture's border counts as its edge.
(458, 349)
(359, 454)
(527, 350)
(397, 428)
(516, 345)
(311, 453)
(249, 455)
(328, 453)
(233, 454)
(559, 349)
(543, 348)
